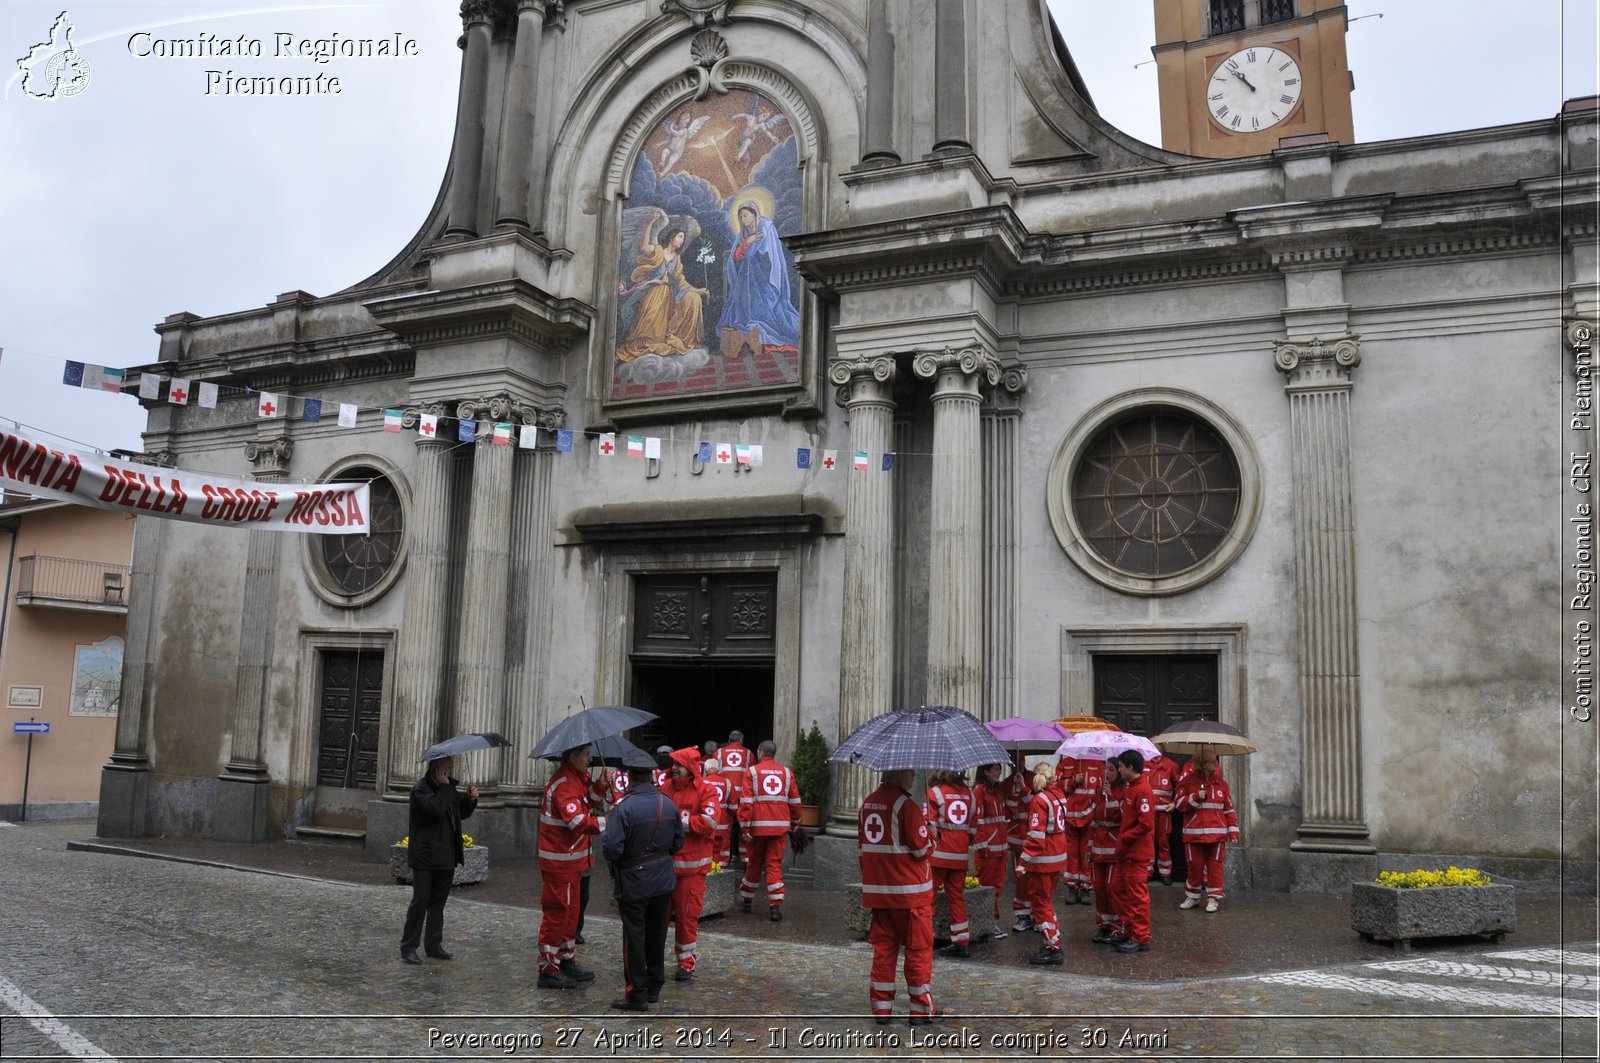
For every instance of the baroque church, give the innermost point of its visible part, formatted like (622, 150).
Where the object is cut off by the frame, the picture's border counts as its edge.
(868, 366)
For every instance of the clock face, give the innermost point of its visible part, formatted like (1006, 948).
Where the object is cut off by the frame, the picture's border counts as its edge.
(1253, 89)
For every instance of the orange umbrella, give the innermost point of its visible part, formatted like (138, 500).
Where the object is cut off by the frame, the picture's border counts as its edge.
(1080, 724)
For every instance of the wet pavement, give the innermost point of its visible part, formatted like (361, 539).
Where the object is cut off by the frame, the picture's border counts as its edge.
(110, 956)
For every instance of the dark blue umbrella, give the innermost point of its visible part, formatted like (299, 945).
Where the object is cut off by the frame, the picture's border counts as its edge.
(938, 737)
(589, 725)
(612, 751)
(463, 744)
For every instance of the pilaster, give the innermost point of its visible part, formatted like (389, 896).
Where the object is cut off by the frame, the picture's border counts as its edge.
(878, 143)
(866, 679)
(1333, 816)
(515, 176)
(466, 164)
(950, 134)
(1001, 514)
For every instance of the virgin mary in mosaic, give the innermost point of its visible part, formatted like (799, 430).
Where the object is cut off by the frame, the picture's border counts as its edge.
(708, 299)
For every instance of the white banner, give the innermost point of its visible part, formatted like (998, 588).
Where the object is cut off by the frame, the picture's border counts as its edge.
(176, 494)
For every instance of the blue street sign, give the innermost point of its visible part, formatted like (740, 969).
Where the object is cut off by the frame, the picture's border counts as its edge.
(30, 727)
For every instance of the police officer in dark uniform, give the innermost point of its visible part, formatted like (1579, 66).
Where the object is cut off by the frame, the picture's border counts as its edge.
(641, 835)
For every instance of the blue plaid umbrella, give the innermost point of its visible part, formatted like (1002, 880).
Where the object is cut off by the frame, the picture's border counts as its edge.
(937, 737)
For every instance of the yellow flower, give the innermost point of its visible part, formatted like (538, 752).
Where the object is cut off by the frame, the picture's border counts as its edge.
(466, 840)
(404, 843)
(1451, 876)
(972, 882)
(716, 868)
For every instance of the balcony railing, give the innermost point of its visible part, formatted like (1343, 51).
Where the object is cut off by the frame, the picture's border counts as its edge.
(1276, 11)
(65, 583)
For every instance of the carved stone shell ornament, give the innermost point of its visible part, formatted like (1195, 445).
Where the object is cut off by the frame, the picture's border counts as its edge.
(708, 48)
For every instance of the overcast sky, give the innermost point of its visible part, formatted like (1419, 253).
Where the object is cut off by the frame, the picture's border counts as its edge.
(143, 196)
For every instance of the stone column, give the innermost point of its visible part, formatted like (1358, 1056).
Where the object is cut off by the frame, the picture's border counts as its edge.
(1319, 379)
(479, 703)
(125, 779)
(866, 678)
(1001, 514)
(878, 143)
(528, 629)
(241, 808)
(950, 136)
(955, 577)
(516, 152)
(466, 162)
(420, 648)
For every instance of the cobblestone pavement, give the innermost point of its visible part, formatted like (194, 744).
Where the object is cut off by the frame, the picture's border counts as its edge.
(108, 956)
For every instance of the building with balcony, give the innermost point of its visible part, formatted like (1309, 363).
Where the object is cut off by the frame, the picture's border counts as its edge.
(62, 622)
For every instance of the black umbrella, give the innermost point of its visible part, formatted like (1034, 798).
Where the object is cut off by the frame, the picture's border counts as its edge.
(612, 750)
(463, 744)
(589, 725)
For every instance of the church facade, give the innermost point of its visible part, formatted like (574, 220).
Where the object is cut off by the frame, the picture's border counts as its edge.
(868, 366)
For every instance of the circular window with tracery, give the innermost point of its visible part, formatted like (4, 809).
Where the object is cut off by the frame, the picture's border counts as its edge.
(1154, 497)
(356, 569)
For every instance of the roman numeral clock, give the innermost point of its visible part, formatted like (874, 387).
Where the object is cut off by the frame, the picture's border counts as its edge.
(1254, 89)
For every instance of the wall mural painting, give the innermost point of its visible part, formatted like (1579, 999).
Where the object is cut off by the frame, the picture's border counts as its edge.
(97, 679)
(708, 299)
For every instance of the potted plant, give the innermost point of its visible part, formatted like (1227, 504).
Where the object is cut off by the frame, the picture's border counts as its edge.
(475, 870)
(812, 774)
(1401, 907)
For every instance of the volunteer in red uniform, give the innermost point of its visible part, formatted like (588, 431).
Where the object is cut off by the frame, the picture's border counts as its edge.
(715, 778)
(1209, 823)
(1103, 828)
(896, 888)
(768, 810)
(990, 848)
(1136, 845)
(736, 761)
(1080, 783)
(1043, 857)
(698, 806)
(567, 826)
(949, 812)
(1018, 797)
(1162, 774)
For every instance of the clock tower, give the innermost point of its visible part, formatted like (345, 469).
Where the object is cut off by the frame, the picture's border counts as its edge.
(1238, 76)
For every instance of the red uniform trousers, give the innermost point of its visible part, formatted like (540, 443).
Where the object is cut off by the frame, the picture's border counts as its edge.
(894, 929)
(688, 900)
(992, 872)
(1164, 844)
(1020, 907)
(1205, 869)
(1040, 887)
(764, 851)
(1076, 874)
(558, 925)
(720, 842)
(1105, 910)
(1130, 891)
(955, 895)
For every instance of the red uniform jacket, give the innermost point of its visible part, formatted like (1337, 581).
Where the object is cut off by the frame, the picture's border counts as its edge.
(1162, 775)
(1207, 805)
(990, 839)
(770, 804)
(950, 812)
(698, 808)
(736, 760)
(1105, 823)
(1018, 799)
(719, 782)
(567, 822)
(1136, 831)
(1046, 847)
(893, 839)
(1080, 795)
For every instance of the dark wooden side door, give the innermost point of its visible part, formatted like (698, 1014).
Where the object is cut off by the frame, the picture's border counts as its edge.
(1146, 694)
(351, 701)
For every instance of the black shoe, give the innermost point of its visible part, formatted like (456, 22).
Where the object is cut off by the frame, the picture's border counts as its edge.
(576, 973)
(935, 1019)
(556, 980)
(775, 913)
(744, 906)
(410, 956)
(1117, 937)
(1047, 958)
(1130, 945)
(682, 974)
(956, 952)
(629, 1004)
(653, 994)
(1070, 897)
(1166, 880)
(1103, 937)
(578, 940)
(883, 1020)
(437, 953)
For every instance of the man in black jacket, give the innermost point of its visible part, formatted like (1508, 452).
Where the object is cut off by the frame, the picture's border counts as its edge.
(435, 849)
(641, 835)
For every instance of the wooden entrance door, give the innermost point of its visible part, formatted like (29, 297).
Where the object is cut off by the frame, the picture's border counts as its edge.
(1147, 694)
(351, 703)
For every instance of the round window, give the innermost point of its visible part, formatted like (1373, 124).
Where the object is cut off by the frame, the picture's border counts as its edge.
(1154, 497)
(355, 569)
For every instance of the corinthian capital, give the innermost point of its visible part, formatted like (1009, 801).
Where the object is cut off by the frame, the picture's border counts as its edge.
(969, 361)
(1318, 363)
(477, 12)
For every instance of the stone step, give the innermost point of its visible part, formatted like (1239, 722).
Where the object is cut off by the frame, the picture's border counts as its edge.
(330, 835)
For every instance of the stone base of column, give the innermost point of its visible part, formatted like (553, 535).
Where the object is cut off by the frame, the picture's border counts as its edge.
(388, 821)
(1313, 871)
(124, 793)
(1351, 838)
(240, 812)
(837, 860)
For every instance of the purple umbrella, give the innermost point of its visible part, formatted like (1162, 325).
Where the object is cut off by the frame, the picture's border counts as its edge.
(1040, 736)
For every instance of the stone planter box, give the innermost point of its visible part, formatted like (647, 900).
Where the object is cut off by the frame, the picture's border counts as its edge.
(980, 913)
(722, 889)
(1401, 916)
(475, 870)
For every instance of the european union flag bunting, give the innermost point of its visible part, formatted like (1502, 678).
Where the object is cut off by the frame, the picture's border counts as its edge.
(802, 458)
(312, 411)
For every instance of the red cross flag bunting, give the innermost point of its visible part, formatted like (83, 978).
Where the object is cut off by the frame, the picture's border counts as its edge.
(428, 425)
(830, 460)
(724, 454)
(269, 407)
(178, 391)
(89, 479)
(607, 445)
